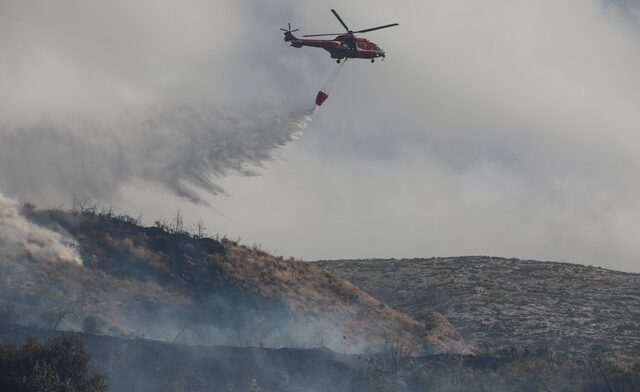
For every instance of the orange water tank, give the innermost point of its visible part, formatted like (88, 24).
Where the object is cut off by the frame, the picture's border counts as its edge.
(321, 97)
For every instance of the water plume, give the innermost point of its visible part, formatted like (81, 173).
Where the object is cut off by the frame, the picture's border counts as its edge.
(185, 149)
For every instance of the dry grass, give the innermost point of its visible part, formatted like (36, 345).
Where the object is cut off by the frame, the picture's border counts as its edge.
(359, 320)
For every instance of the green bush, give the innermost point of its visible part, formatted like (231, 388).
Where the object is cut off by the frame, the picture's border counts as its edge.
(60, 365)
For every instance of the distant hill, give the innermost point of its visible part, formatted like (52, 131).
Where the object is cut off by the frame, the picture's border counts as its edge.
(147, 282)
(499, 303)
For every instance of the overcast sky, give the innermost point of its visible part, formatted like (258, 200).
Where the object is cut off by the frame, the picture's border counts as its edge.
(503, 128)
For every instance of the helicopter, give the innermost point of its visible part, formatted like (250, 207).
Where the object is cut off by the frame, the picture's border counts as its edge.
(344, 45)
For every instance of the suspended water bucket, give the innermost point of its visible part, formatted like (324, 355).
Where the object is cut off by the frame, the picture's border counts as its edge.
(323, 94)
(321, 97)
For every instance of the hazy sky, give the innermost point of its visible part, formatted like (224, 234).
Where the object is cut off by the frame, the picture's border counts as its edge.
(504, 128)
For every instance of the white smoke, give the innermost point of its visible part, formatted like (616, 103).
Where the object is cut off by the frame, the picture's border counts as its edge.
(21, 238)
(185, 149)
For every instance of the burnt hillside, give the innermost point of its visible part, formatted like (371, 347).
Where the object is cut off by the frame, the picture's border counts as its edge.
(143, 365)
(147, 365)
(498, 303)
(141, 281)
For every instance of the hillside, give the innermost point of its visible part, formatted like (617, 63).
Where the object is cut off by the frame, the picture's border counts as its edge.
(501, 303)
(146, 282)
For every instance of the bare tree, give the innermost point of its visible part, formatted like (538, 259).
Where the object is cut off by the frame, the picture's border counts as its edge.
(64, 310)
(177, 223)
(83, 205)
(107, 212)
(200, 229)
(396, 351)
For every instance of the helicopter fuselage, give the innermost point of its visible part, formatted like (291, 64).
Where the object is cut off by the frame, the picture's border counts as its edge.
(344, 46)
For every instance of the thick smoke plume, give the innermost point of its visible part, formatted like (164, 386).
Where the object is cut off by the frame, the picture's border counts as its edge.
(22, 238)
(184, 149)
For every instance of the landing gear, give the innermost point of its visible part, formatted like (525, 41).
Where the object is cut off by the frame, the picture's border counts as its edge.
(373, 60)
(338, 61)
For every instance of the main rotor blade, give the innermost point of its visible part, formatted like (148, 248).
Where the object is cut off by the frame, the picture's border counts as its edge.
(340, 19)
(321, 35)
(377, 28)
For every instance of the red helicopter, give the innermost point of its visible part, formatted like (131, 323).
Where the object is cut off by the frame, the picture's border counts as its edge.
(344, 46)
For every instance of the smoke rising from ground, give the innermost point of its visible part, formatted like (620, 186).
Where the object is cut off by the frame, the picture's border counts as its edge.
(22, 238)
(184, 149)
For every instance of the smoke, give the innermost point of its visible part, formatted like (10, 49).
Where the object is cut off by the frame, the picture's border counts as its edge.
(185, 149)
(22, 238)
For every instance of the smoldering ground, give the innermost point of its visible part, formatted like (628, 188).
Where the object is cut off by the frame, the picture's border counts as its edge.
(21, 238)
(183, 148)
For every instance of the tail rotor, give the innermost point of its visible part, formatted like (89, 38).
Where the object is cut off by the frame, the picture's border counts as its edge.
(288, 34)
(289, 29)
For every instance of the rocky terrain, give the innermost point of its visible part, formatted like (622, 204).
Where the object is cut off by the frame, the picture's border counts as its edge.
(499, 303)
